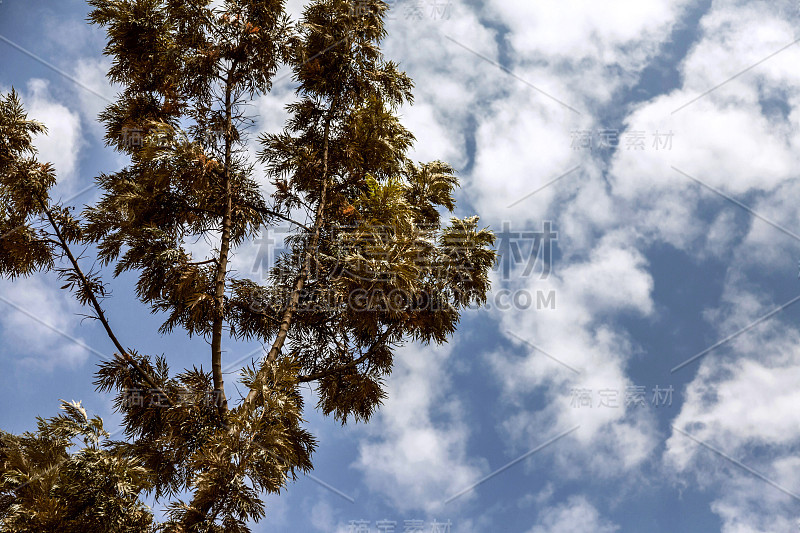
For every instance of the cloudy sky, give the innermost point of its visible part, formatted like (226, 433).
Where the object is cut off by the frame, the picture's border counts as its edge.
(640, 373)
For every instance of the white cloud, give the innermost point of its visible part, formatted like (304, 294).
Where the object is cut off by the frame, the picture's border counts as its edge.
(743, 402)
(581, 54)
(743, 392)
(518, 153)
(576, 514)
(614, 279)
(414, 462)
(578, 29)
(37, 345)
(611, 440)
(91, 73)
(435, 140)
(724, 139)
(63, 142)
(765, 247)
(322, 516)
(452, 85)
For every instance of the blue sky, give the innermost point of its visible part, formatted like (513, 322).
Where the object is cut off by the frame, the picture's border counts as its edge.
(660, 139)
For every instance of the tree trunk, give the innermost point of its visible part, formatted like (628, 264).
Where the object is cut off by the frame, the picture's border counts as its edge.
(222, 264)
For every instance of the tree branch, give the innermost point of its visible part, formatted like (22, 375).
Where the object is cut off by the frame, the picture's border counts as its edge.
(197, 263)
(269, 212)
(311, 247)
(96, 305)
(329, 372)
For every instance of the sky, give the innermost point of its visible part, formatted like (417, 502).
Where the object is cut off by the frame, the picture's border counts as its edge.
(637, 365)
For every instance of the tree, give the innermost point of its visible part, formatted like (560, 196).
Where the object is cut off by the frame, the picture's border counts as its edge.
(375, 266)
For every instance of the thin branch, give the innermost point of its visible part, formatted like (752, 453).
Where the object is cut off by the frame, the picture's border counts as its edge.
(269, 212)
(325, 373)
(96, 305)
(311, 248)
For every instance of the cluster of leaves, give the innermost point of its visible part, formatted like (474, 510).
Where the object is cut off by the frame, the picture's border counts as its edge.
(378, 264)
(23, 181)
(175, 431)
(45, 487)
(26, 246)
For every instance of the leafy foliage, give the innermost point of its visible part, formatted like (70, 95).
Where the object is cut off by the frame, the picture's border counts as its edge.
(23, 181)
(380, 260)
(43, 487)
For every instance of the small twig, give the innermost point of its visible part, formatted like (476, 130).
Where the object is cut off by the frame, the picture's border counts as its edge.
(196, 263)
(269, 212)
